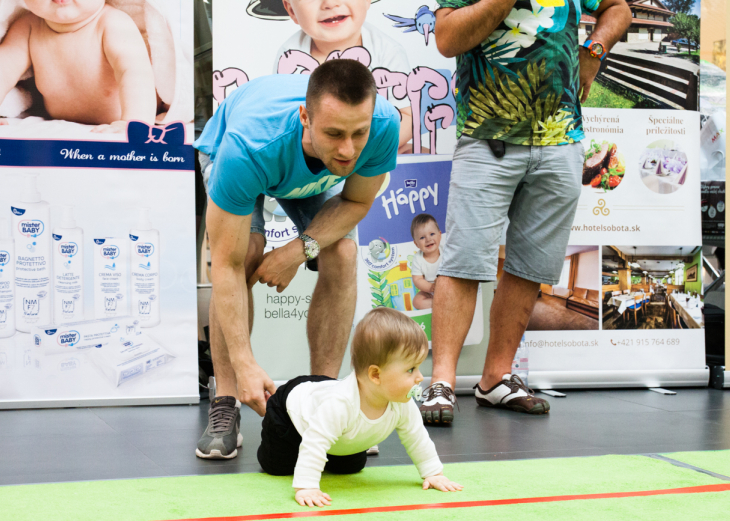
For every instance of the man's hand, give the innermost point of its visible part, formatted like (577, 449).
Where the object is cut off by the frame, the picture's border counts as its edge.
(312, 497)
(588, 69)
(254, 388)
(442, 483)
(279, 266)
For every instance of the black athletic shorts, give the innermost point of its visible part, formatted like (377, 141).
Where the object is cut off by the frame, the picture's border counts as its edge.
(280, 440)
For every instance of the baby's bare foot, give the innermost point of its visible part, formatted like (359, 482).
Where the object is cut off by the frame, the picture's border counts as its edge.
(117, 127)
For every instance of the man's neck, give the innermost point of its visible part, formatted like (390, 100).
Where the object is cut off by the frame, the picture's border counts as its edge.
(320, 50)
(70, 28)
(307, 144)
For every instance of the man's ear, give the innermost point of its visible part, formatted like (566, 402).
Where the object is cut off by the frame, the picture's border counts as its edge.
(374, 374)
(288, 7)
(304, 116)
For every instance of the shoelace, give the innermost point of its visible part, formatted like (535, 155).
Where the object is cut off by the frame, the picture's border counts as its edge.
(515, 383)
(220, 418)
(435, 390)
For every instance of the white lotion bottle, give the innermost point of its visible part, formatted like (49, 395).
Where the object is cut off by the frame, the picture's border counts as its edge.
(144, 265)
(68, 270)
(111, 271)
(32, 233)
(7, 280)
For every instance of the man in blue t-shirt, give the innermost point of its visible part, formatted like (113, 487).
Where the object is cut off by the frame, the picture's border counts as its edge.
(295, 138)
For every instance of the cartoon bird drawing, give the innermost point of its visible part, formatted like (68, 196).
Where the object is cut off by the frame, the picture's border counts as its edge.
(424, 22)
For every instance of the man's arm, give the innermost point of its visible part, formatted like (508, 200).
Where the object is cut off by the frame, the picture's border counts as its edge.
(460, 30)
(339, 215)
(14, 55)
(229, 235)
(613, 19)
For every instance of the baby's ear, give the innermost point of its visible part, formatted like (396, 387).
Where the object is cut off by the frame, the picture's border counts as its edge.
(374, 374)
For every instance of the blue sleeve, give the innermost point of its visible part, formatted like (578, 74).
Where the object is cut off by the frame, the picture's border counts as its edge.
(236, 180)
(385, 156)
(590, 6)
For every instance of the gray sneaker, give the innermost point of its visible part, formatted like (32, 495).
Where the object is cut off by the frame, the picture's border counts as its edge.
(223, 435)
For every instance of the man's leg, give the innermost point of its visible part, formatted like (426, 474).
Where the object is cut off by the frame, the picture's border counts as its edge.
(511, 309)
(332, 310)
(541, 215)
(453, 311)
(222, 436)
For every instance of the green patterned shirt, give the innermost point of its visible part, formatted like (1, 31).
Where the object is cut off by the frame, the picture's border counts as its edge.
(521, 84)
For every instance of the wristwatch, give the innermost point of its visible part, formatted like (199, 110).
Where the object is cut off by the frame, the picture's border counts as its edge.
(311, 247)
(596, 48)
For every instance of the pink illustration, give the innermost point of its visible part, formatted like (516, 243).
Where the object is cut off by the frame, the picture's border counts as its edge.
(439, 89)
(292, 61)
(434, 114)
(385, 80)
(226, 78)
(360, 54)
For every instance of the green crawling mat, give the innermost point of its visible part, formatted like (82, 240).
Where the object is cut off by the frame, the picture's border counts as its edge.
(256, 495)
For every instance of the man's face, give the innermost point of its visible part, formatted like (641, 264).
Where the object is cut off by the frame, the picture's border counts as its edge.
(328, 20)
(427, 237)
(339, 132)
(64, 11)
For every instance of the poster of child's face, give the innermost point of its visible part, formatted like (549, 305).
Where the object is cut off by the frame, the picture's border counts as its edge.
(82, 69)
(393, 39)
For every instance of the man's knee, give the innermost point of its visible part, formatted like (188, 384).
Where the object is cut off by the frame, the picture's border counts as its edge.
(340, 254)
(256, 245)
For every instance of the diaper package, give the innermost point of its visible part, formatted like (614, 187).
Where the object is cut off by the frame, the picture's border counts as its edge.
(82, 336)
(127, 357)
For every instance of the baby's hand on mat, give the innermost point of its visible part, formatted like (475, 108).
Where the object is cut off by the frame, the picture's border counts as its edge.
(442, 483)
(312, 497)
(116, 127)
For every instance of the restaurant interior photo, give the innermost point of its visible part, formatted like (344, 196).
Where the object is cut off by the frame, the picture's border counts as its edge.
(573, 303)
(652, 287)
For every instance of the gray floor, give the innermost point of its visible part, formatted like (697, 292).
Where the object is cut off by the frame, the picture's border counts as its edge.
(53, 445)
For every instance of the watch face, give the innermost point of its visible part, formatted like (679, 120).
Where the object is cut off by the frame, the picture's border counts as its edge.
(597, 49)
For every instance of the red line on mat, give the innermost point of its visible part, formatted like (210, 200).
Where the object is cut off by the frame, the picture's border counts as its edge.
(465, 504)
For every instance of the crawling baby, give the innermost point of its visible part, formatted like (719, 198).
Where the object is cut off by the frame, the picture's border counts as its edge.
(89, 60)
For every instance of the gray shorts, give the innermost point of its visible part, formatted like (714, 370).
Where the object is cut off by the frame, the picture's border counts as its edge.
(300, 211)
(536, 187)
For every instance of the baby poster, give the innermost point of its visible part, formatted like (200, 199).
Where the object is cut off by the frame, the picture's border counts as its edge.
(97, 191)
(400, 245)
(393, 39)
(84, 69)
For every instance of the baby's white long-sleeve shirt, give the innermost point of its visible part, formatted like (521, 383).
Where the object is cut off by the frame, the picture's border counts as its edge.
(327, 415)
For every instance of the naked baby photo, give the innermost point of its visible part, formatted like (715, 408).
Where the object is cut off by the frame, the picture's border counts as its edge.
(83, 69)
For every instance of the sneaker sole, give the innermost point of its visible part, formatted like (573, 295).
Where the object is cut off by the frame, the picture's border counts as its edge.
(486, 403)
(216, 454)
(445, 418)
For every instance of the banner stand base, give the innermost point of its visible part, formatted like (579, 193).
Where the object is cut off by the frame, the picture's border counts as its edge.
(551, 380)
(105, 402)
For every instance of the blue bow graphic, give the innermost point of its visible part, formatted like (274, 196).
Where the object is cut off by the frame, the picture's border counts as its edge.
(172, 134)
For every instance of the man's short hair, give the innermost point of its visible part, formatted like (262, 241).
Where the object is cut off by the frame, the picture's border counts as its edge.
(383, 334)
(421, 219)
(349, 81)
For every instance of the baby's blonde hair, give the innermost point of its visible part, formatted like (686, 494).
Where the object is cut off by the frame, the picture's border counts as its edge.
(383, 334)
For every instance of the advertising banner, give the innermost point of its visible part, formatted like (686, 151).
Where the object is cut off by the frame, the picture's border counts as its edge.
(637, 230)
(97, 224)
